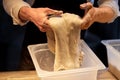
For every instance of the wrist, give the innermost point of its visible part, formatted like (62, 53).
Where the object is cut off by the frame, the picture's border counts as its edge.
(24, 13)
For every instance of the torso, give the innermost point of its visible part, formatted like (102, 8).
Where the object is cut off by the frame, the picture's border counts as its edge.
(71, 6)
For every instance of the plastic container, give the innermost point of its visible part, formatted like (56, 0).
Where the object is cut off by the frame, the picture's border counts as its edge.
(113, 52)
(43, 60)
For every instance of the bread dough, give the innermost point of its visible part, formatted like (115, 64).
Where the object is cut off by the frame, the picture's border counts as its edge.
(64, 40)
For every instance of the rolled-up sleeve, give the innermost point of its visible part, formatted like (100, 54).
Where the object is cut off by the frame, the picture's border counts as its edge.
(113, 4)
(12, 7)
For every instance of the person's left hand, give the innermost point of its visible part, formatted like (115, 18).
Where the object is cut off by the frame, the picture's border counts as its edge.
(88, 18)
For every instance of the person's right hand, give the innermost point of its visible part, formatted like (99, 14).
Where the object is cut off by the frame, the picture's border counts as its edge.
(39, 16)
(88, 18)
(101, 14)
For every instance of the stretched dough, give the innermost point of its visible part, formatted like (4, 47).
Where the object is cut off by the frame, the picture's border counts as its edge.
(64, 40)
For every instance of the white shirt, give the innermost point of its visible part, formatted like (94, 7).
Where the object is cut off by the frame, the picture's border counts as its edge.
(12, 7)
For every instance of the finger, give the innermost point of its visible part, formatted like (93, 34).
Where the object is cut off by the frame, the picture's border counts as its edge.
(45, 26)
(85, 26)
(55, 12)
(86, 21)
(83, 6)
(46, 23)
(87, 5)
(42, 29)
(58, 12)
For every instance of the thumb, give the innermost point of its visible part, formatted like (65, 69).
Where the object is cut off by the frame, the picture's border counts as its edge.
(86, 6)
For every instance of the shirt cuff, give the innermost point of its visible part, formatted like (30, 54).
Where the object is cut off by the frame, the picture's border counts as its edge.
(14, 13)
(113, 4)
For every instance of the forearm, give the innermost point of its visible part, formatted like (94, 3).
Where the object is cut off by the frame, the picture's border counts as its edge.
(103, 14)
(111, 5)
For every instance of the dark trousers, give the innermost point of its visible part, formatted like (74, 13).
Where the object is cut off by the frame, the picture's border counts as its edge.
(98, 32)
(11, 39)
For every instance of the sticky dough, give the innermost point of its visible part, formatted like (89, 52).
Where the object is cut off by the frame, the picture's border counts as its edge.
(64, 40)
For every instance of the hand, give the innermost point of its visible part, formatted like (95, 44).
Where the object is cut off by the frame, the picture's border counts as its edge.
(39, 16)
(88, 18)
(101, 14)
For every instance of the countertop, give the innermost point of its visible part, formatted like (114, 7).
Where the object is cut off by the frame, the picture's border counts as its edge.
(32, 75)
